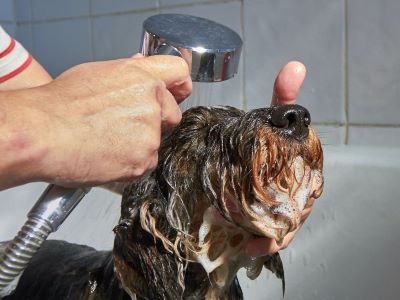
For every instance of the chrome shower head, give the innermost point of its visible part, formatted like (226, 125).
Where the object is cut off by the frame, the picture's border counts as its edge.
(211, 50)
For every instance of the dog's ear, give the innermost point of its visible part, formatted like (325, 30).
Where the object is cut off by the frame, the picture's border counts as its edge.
(275, 265)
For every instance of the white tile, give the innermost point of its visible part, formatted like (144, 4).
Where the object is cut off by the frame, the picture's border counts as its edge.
(310, 31)
(117, 36)
(221, 93)
(375, 136)
(23, 10)
(330, 135)
(53, 9)
(62, 44)
(108, 6)
(374, 61)
(23, 33)
(6, 10)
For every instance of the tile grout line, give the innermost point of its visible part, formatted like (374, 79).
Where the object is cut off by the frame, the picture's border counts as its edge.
(358, 125)
(346, 72)
(366, 125)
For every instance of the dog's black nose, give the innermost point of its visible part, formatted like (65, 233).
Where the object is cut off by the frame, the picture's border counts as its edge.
(291, 120)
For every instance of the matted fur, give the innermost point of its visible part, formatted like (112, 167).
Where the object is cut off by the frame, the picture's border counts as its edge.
(214, 154)
(224, 177)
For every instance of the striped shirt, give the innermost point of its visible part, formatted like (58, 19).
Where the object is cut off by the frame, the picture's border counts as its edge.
(13, 57)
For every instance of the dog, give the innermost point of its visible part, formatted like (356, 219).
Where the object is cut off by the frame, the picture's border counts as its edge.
(224, 177)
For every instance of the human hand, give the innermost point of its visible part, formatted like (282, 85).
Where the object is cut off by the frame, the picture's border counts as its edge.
(103, 120)
(286, 89)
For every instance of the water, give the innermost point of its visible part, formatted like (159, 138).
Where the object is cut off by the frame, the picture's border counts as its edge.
(201, 96)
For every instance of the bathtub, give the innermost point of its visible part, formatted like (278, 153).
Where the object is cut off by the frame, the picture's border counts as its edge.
(347, 249)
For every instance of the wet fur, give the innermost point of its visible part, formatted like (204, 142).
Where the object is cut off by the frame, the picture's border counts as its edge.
(212, 153)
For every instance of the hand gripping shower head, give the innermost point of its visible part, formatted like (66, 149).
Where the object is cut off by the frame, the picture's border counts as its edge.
(212, 52)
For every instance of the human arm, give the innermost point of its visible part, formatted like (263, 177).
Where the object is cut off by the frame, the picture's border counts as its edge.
(95, 123)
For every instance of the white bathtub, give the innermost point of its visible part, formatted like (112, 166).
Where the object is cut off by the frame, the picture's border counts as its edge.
(348, 249)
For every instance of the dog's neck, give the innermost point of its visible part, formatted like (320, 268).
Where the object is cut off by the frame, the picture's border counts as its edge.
(220, 255)
(222, 246)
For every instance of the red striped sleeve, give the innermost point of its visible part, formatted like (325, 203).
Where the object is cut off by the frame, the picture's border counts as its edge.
(17, 70)
(13, 57)
(8, 49)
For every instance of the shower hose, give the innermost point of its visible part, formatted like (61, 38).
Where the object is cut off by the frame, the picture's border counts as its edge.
(51, 209)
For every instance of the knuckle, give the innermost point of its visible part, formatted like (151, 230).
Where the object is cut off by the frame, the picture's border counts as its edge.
(172, 119)
(181, 64)
(145, 166)
(137, 172)
(154, 144)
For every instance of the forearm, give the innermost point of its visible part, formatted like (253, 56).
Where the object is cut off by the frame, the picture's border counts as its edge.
(22, 144)
(23, 137)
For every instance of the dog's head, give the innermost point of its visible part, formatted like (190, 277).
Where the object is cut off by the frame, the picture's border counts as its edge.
(226, 176)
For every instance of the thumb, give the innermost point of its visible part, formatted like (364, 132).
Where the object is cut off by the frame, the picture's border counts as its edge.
(288, 83)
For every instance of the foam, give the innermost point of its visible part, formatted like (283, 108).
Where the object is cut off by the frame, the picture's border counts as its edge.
(302, 196)
(299, 170)
(205, 228)
(317, 176)
(266, 218)
(289, 206)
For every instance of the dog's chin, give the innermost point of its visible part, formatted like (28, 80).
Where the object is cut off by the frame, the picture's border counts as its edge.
(277, 220)
(284, 215)
(279, 197)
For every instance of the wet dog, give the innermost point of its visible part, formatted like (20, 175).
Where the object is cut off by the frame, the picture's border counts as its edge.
(224, 177)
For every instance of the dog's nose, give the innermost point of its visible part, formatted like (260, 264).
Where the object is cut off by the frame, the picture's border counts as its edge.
(291, 120)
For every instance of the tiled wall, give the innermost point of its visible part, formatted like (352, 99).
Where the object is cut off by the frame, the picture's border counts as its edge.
(350, 47)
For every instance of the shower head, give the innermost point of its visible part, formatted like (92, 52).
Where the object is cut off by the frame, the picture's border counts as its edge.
(211, 50)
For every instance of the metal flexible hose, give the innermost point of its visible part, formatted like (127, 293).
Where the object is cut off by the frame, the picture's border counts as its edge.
(51, 209)
(22, 248)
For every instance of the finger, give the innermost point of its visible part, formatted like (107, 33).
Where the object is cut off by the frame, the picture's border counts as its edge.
(182, 91)
(171, 114)
(305, 214)
(173, 70)
(267, 246)
(288, 83)
(261, 246)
